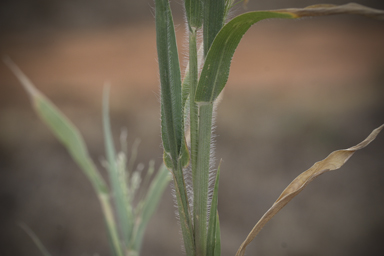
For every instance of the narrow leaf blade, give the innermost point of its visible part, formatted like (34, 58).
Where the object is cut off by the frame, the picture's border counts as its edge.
(170, 79)
(332, 162)
(215, 71)
(61, 127)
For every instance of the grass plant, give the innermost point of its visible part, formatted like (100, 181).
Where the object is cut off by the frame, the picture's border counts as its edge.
(125, 221)
(187, 116)
(202, 85)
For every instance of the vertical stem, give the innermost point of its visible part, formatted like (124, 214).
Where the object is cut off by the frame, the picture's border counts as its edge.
(110, 223)
(193, 77)
(200, 184)
(201, 179)
(184, 213)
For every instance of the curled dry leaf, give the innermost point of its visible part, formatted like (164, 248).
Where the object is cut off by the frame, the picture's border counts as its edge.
(332, 162)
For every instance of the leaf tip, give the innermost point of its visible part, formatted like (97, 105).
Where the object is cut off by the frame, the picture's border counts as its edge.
(25, 82)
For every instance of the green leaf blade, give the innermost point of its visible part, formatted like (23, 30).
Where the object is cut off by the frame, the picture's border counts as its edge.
(170, 79)
(214, 12)
(215, 71)
(176, 155)
(194, 12)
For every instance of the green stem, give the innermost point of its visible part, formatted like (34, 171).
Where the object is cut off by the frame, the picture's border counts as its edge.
(200, 236)
(184, 213)
(104, 198)
(201, 179)
(110, 223)
(193, 80)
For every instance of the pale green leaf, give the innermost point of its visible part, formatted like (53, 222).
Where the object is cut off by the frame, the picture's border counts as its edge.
(62, 128)
(70, 137)
(118, 187)
(151, 201)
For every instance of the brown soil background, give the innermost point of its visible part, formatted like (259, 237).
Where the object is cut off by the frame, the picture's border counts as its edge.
(297, 91)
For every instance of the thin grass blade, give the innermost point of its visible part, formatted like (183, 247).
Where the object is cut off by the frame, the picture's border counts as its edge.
(171, 98)
(332, 162)
(151, 201)
(35, 239)
(124, 211)
(62, 128)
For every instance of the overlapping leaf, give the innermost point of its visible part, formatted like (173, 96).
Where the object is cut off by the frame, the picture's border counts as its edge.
(170, 79)
(332, 162)
(214, 11)
(176, 154)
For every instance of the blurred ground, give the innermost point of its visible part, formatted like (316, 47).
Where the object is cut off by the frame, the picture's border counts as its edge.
(297, 91)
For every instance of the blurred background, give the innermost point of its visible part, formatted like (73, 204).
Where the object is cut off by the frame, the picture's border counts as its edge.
(297, 91)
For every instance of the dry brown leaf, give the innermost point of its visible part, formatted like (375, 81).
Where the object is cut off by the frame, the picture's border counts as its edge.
(328, 9)
(332, 162)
